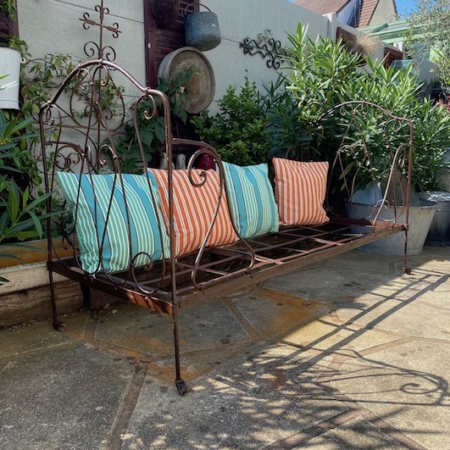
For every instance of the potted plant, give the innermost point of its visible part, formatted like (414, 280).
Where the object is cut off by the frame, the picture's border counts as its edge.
(293, 113)
(21, 204)
(431, 137)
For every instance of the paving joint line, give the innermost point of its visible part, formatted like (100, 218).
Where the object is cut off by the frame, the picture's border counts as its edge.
(127, 407)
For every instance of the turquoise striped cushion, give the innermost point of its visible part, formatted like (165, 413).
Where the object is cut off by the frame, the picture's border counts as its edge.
(250, 196)
(137, 237)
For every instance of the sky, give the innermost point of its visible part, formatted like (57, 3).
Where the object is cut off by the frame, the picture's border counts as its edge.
(405, 6)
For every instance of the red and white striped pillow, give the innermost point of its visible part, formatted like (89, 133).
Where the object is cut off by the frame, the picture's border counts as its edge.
(194, 209)
(300, 189)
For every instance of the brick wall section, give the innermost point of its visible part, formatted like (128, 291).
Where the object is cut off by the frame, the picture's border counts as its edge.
(367, 9)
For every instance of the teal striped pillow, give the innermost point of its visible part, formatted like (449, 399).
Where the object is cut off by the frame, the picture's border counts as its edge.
(251, 199)
(138, 237)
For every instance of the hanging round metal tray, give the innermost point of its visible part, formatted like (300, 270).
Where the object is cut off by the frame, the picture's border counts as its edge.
(201, 86)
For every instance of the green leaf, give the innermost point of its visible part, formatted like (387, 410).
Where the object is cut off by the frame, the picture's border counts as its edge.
(36, 223)
(23, 235)
(38, 201)
(4, 222)
(13, 201)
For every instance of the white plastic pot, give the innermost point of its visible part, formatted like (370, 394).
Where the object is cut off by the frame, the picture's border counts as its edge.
(9, 86)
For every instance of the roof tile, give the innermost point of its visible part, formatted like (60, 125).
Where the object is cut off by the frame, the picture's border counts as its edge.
(367, 9)
(329, 6)
(322, 6)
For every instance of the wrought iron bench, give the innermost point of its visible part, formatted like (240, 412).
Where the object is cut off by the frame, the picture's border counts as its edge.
(125, 231)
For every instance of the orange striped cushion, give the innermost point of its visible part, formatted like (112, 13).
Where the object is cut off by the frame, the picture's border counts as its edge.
(194, 209)
(300, 189)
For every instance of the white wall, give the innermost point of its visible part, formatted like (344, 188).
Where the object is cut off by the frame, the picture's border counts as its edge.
(241, 19)
(384, 12)
(54, 26)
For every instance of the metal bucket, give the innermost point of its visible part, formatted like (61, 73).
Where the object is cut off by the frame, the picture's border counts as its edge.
(202, 30)
(439, 233)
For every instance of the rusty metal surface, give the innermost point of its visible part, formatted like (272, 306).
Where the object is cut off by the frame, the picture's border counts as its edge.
(225, 269)
(79, 134)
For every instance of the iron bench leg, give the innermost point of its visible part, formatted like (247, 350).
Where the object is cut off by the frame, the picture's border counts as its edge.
(179, 382)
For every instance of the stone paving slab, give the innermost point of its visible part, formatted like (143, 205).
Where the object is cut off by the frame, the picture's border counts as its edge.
(256, 400)
(333, 283)
(401, 316)
(407, 385)
(210, 326)
(35, 336)
(272, 313)
(357, 434)
(346, 354)
(65, 398)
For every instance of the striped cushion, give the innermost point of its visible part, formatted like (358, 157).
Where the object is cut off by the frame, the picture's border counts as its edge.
(194, 209)
(252, 203)
(300, 189)
(95, 228)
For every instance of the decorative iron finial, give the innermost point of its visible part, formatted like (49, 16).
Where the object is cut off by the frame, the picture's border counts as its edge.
(91, 47)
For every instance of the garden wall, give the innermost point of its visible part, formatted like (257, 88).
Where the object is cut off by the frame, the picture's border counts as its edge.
(241, 19)
(54, 26)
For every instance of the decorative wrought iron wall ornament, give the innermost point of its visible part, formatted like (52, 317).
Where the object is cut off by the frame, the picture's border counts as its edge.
(267, 47)
(91, 47)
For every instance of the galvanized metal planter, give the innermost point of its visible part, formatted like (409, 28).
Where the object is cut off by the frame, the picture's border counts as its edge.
(420, 218)
(439, 233)
(202, 30)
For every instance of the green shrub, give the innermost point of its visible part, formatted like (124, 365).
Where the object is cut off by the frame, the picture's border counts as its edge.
(239, 131)
(285, 130)
(325, 74)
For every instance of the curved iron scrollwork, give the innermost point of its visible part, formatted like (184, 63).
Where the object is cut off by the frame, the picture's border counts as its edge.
(91, 48)
(268, 48)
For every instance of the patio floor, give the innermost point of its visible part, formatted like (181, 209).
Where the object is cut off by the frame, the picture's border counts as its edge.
(348, 354)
